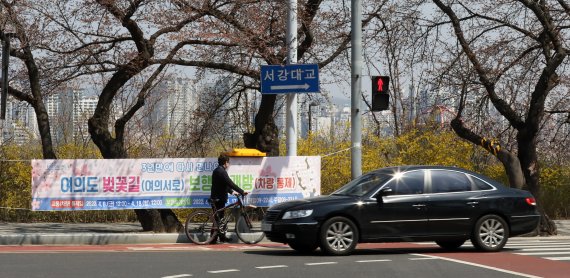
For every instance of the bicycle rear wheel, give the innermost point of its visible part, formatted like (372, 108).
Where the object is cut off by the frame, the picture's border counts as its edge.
(200, 227)
(248, 226)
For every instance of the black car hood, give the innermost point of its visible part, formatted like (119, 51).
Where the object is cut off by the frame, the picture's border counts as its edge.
(312, 201)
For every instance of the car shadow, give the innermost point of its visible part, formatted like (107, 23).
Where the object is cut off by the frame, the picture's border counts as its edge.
(365, 251)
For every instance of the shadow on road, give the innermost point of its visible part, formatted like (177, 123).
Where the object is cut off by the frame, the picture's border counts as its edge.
(363, 251)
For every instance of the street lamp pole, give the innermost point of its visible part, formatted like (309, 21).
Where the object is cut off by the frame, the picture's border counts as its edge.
(291, 121)
(356, 80)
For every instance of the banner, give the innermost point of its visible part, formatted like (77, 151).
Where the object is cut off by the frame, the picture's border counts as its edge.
(112, 184)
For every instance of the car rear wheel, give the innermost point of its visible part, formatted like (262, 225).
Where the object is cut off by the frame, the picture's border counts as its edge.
(338, 236)
(450, 244)
(303, 248)
(490, 233)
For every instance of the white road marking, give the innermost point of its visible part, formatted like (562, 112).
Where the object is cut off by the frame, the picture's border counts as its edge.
(141, 248)
(171, 248)
(178, 276)
(372, 261)
(322, 263)
(248, 247)
(544, 253)
(538, 244)
(421, 259)
(542, 249)
(558, 258)
(480, 265)
(223, 270)
(550, 250)
(512, 240)
(270, 266)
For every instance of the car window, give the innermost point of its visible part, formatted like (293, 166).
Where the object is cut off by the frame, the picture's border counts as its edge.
(408, 183)
(361, 185)
(449, 181)
(477, 184)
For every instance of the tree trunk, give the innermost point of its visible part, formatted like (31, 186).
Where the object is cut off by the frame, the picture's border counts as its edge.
(523, 171)
(266, 135)
(510, 161)
(513, 168)
(158, 220)
(531, 169)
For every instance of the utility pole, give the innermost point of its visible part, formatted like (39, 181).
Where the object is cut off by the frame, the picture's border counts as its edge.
(356, 84)
(291, 140)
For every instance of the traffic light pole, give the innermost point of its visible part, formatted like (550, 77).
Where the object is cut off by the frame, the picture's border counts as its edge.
(356, 86)
(291, 123)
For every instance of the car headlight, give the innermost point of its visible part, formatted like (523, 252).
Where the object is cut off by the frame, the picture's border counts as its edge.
(297, 214)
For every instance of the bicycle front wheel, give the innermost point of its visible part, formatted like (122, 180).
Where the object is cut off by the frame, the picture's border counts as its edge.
(200, 227)
(248, 227)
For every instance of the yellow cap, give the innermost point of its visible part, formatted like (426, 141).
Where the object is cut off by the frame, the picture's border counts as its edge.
(245, 152)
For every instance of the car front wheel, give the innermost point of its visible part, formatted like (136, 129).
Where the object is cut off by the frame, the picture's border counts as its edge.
(338, 236)
(490, 233)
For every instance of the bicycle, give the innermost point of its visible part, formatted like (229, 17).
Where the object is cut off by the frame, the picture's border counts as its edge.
(201, 226)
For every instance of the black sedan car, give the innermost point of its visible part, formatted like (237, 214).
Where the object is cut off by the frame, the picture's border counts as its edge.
(447, 205)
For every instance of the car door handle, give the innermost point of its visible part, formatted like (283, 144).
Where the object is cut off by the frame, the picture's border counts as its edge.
(472, 203)
(418, 205)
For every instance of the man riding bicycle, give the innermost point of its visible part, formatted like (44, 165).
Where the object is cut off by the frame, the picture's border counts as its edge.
(221, 186)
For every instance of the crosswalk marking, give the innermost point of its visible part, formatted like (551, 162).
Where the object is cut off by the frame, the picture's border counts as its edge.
(552, 249)
(544, 253)
(558, 258)
(540, 244)
(542, 249)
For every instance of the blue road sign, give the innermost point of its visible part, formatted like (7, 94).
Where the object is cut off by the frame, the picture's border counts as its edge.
(285, 79)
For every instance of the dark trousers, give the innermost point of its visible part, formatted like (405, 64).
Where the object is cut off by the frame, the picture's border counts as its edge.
(219, 216)
(218, 205)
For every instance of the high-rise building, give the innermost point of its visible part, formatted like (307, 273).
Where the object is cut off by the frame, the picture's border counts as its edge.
(83, 109)
(20, 124)
(230, 108)
(171, 105)
(68, 113)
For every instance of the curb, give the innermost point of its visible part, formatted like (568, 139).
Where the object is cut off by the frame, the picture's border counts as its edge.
(150, 238)
(101, 238)
(90, 239)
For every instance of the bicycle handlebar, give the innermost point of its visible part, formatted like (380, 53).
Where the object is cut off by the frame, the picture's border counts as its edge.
(241, 198)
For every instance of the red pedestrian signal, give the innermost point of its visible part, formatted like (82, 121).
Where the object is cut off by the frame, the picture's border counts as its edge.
(380, 93)
(380, 84)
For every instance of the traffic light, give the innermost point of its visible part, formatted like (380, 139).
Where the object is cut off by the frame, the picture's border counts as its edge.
(380, 93)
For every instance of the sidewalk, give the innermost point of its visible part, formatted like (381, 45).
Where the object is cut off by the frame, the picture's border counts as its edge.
(113, 233)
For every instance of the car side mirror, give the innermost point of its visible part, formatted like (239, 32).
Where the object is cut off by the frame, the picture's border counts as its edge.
(382, 193)
(386, 191)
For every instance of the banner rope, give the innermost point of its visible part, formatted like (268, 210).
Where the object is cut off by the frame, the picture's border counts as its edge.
(337, 152)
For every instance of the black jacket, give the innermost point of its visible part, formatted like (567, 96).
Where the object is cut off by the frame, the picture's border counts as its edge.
(222, 184)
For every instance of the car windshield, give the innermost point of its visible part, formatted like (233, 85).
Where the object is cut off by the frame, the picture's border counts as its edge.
(362, 185)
